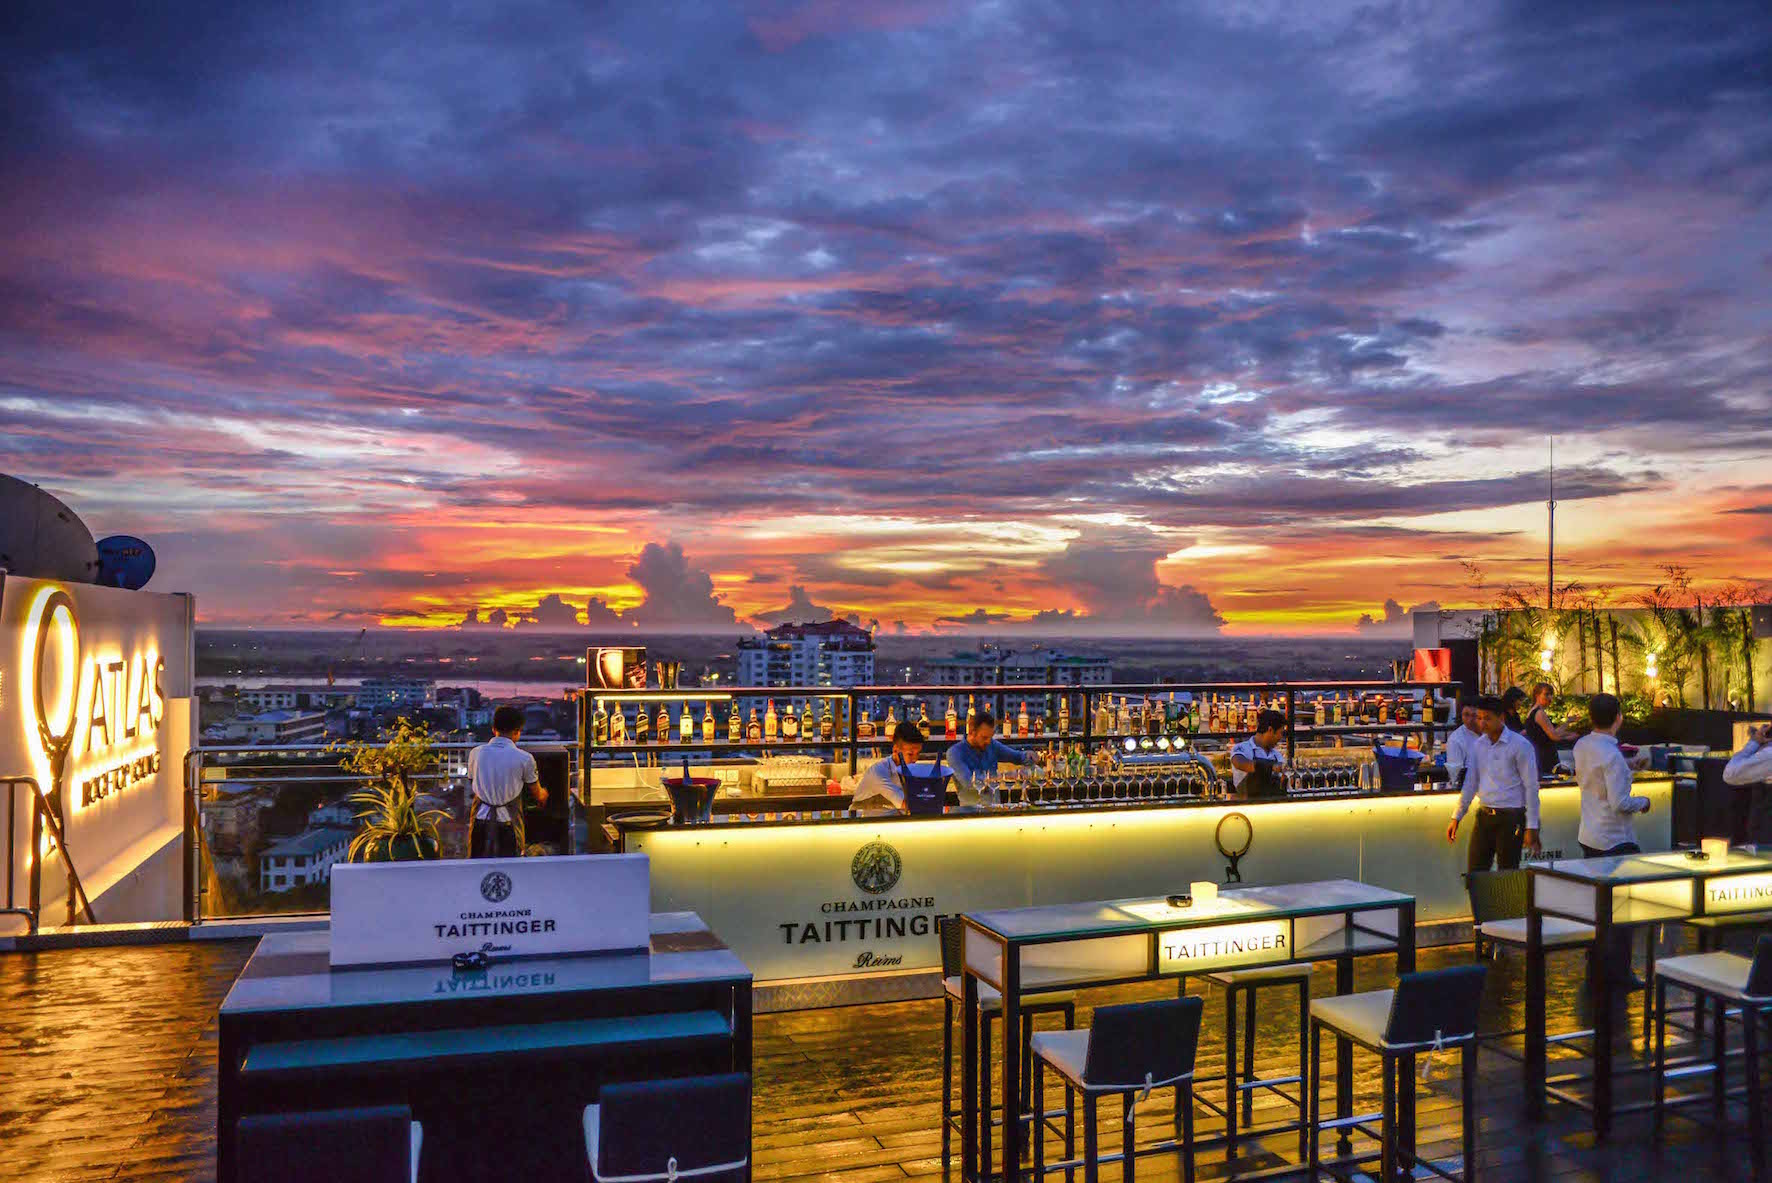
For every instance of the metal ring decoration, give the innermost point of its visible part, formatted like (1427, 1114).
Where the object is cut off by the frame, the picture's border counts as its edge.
(1232, 872)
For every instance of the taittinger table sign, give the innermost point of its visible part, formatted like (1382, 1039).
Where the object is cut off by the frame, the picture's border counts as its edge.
(405, 913)
(1222, 946)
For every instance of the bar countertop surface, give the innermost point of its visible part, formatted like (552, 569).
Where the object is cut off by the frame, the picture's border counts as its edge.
(837, 814)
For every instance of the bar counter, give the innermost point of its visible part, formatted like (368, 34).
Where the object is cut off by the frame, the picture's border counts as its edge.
(849, 900)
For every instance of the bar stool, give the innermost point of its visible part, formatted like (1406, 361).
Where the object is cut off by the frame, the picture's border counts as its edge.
(990, 1008)
(1718, 980)
(1426, 1012)
(1498, 906)
(659, 1131)
(377, 1145)
(1129, 1050)
(1711, 931)
(1249, 983)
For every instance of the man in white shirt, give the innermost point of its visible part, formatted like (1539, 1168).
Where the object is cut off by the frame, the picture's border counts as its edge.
(1261, 751)
(498, 772)
(1459, 743)
(880, 791)
(1604, 776)
(1753, 763)
(1503, 779)
(1606, 809)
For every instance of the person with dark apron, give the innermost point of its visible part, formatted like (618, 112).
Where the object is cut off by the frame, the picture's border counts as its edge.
(498, 773)
(1256, 762)
(1543, 731)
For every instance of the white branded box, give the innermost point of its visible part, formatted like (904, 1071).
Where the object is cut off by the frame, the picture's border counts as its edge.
(431, 910)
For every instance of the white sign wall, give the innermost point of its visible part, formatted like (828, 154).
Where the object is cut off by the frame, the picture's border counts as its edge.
(95, 686)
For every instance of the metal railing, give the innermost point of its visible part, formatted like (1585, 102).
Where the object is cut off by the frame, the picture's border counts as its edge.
(244, 801)
(42, 817)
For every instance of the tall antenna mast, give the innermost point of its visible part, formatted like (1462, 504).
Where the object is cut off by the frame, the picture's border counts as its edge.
(1550, 554)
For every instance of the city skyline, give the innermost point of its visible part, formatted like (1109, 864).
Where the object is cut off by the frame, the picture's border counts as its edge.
(1002, 318)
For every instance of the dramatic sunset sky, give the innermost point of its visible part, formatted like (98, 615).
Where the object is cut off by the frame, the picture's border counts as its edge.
(1130, 317)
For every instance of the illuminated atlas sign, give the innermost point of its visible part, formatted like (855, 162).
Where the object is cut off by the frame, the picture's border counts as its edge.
(96, 714)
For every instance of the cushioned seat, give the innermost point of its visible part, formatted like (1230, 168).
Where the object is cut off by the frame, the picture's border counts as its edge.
(1266, 973)
(1723, 975)
(1558, 933)
(990, 999)
(1360, 1017)
(1066, 1051)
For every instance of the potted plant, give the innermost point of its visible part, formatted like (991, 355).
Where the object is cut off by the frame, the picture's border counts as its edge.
(392, 828)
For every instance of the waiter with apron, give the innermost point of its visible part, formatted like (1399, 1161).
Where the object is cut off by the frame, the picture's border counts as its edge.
(498, 772)
(1257, 762)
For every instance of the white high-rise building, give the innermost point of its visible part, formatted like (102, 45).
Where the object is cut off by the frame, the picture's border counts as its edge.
(834, 653)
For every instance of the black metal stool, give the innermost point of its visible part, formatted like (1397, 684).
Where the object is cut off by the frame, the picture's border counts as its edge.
(1718, 980)
(1427, 1012)
(378, 1145)
(1130, 1050)
(1242, 1088)
(990, 1008)
(659, 1131)
(1711, 932)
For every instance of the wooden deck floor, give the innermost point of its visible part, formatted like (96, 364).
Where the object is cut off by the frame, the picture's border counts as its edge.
(107, 1071)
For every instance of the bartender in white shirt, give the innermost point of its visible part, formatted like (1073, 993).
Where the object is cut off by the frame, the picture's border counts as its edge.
(498, 772)
(880, 791)
(1459, 745)
(1503, 779)
(1260, 752)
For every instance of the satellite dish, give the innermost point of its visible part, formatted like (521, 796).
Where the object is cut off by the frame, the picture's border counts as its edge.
(125, 561)
(40, 538)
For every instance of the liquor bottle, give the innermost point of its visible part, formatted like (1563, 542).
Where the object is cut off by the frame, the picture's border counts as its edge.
(864, 725)
(1321, 715)
(1384, 709)
(1123, 716)
(790, 723)
(753, 729)
(734, 725)
(618, 725)
(771, 724)
(1064, 714)
(1039, 722)
(808, 725)
(707, 722)
(923, 716)
(952, 720)
(1427, 707)
(661, 725)
(891, 722)
(1021, 720)
(600, 725)
(827, 727)
(1104, 715)
(686, 724)
(642, 725)
(971, 712)
(1335, 715)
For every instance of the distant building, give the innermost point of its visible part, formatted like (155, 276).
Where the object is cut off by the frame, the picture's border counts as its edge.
(288, 697)
(304, 859)
(276, 727)
(991, 666)
(232, 815)
(834, 653)
(395, 694)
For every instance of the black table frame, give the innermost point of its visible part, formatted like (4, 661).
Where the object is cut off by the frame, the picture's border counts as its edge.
(1536, 1060)
(1374, 944)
